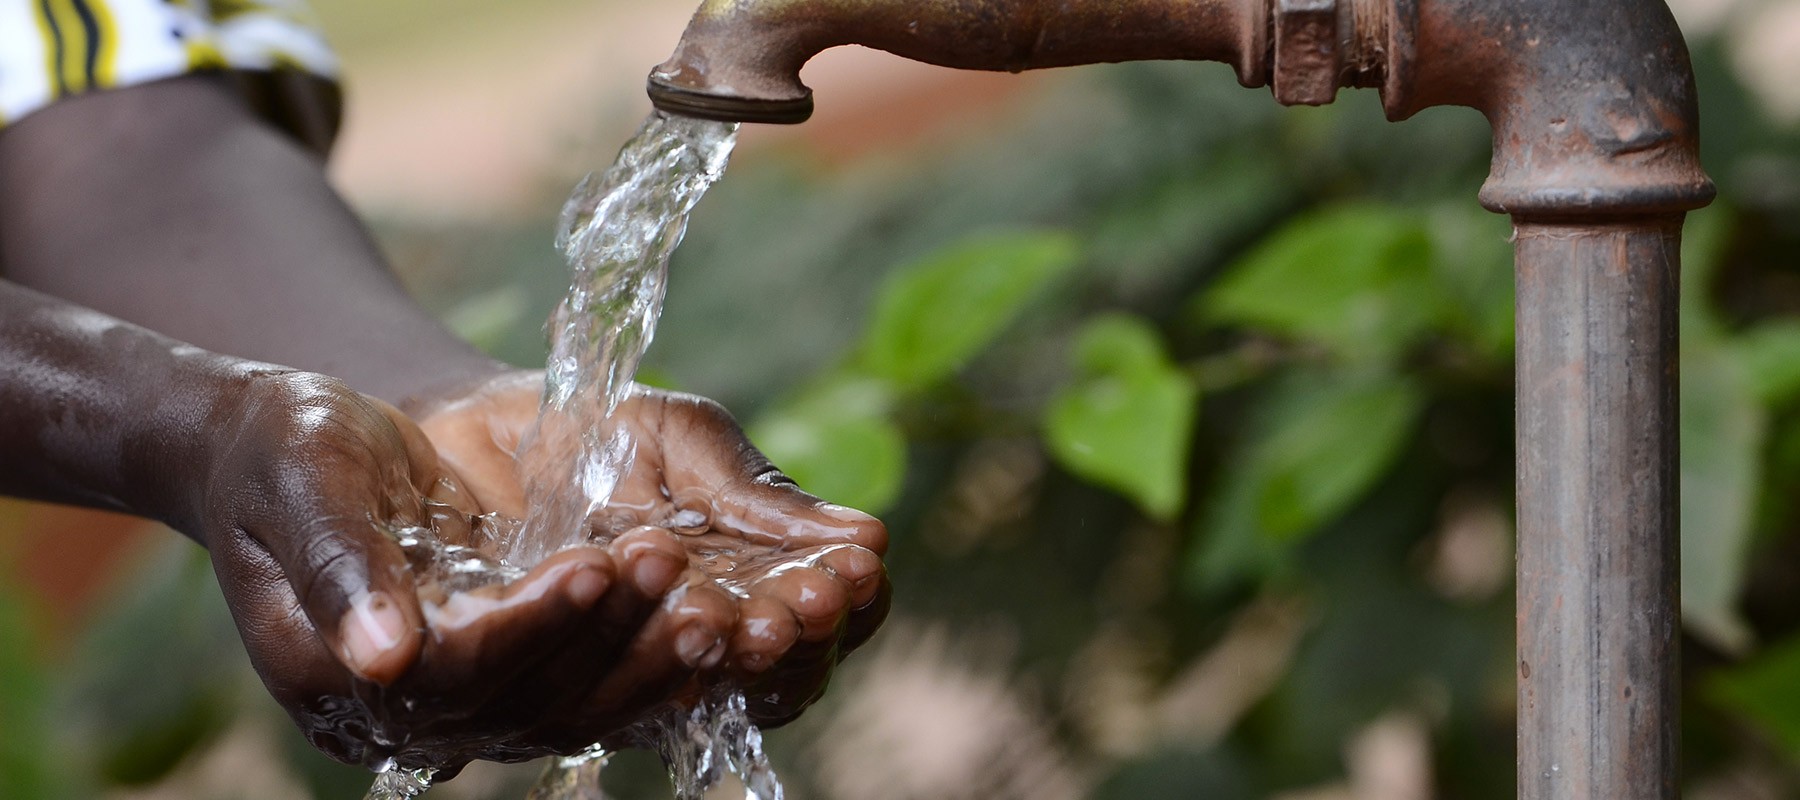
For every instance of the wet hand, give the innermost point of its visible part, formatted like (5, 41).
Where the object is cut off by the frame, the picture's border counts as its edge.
(306, 482)
(803, 577)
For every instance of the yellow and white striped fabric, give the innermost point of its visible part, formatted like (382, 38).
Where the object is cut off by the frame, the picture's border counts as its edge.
(52, 49)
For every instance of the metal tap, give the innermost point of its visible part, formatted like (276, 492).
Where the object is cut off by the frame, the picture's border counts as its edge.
(1595, 157)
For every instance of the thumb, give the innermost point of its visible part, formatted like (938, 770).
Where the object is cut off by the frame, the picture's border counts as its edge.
(710, 465)
(352, 581)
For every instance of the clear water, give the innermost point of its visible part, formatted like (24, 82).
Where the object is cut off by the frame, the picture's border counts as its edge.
(617, 232)
(701, 744)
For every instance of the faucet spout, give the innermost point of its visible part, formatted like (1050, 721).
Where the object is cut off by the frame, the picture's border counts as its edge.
(740, 60)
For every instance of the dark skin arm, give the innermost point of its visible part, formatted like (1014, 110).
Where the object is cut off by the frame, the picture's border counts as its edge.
(169, 205)
(292, 480)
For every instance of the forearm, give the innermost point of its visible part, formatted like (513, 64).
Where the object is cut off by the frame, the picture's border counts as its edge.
(102, 413)
(169, 205)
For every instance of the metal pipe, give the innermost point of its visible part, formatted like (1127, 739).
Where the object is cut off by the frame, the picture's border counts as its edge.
(740, 60)
(1595, 157)
(1598, 612)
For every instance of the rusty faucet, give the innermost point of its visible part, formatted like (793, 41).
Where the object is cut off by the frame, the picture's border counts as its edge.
(1596, 159)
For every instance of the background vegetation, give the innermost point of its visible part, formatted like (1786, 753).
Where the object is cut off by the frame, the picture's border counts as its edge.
(1192, 419)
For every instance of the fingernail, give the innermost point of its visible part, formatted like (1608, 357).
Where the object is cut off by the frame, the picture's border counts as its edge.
(855, 565)
(843, 513)
(370, 631)
(655, 571)
(695, 643)
(586, 586)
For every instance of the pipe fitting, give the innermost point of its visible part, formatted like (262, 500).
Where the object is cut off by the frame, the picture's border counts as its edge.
(1321, 46)
(1307, 63)
(1591, 101)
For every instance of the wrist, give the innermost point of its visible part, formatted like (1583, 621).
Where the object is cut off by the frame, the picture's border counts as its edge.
(174, 451)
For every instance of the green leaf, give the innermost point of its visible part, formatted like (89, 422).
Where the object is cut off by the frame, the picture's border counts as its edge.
(1127, 421)
(1334, 445)
(1355, 279)
(935, 315)
(1321, 441)
(837, 442)
(1762, 691)
(1723, 428)
(1771, 354)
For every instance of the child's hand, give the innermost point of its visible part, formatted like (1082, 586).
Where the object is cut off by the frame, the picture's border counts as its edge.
(305, 476)
(815, 587)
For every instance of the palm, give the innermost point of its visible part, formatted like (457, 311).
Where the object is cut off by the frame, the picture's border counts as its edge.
(804, 576)
(367, 661)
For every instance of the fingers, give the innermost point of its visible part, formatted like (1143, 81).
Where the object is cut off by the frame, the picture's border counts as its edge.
(428, 474)
(687, 634)
(818, 599)
(870, 593)
(865, 619)
(859, 568)
(709, 465)
(647, 638)
(779, 696)
(650, 557)
(766, 630)
(482, 637)
(810, 599)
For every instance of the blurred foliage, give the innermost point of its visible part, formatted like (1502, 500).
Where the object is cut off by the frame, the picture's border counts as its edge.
(1126, 421)
(1151, 358)
(25, 756)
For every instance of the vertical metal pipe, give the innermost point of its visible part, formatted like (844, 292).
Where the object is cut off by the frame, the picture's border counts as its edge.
(1598, 549)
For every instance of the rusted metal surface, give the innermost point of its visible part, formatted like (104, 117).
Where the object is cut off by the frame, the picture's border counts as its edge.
(1596, 158)
(1307, 61)
(740, 60)
(1592, 101)
(1598, 608)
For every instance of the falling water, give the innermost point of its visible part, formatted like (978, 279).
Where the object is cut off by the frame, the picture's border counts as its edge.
(617, 231)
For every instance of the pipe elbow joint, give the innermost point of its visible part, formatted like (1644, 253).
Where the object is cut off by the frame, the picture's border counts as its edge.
(1592, 102)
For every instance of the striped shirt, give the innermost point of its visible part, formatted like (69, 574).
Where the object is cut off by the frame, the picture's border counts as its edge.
(52, 49)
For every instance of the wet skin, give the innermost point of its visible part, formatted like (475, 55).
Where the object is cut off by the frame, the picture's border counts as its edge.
(803, 578)
(168, 205)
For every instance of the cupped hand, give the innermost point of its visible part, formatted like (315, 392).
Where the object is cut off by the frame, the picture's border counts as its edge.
(308, 482)
(805, 576)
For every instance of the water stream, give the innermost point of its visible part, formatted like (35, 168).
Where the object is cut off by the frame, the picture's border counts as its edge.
(617, 232)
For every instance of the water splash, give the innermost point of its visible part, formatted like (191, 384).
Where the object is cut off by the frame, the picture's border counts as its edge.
(699, 745)
(576, 777)
(617, 232)
(397, 783)
(716, 736)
